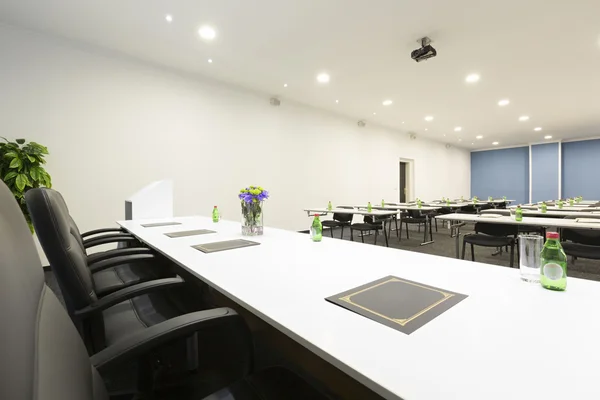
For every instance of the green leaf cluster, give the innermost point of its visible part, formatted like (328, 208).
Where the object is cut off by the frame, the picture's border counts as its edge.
(22, 168)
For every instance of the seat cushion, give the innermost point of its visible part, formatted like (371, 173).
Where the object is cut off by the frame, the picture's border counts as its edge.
(365, 227)
(333, 224)
(112, 279)
(581, 250)
(137, 314)
(271, 384)
(487, 240)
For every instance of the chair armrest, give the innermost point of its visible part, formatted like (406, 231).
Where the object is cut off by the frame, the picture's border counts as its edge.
(128, 293)
(103, 230)
(126, 251)
(140, 343)
(120, 260)
(114, 238)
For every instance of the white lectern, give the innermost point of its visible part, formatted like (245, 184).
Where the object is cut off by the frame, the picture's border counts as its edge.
(153, 201)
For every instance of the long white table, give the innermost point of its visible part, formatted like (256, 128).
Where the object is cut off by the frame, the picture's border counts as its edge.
(530, 221)
(507, 340)
(556, 214)
(565, 208)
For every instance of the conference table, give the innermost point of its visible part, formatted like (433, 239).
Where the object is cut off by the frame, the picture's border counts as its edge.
(501, 342)
(502, 219)
(555, 208)
(553, 214)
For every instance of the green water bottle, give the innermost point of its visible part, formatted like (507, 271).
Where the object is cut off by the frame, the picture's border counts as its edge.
(560, 204)
(504, 198)
(215, 214)
(571, 202)
(419, 203)
(316, 230)
(519, 214)
(490, 198)
(474, 199)
(544, 208)
(382, 203)
(462, 198)
(553, 274)
(329, 206)
(369, 207)
(448, 201)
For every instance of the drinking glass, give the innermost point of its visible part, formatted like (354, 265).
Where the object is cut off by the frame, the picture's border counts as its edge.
(513, 213)
(530, 260)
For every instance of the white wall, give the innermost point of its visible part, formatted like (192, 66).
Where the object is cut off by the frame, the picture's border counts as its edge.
(113, 125)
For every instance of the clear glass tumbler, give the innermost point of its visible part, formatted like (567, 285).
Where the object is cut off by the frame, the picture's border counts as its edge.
(530, 259)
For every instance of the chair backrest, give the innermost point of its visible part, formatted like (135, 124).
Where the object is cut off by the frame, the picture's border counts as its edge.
(590, 237)
(42, 356)
(61, 242)
(341, 217)
(496, 229)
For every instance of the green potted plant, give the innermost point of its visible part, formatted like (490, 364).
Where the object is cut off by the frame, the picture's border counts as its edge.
(21, 168)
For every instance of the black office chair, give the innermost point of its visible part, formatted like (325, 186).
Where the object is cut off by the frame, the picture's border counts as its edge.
(491, 235)
(44, 358)
(106, 280)
(339, 220)
(413, 217)
(369, 224)
(581, 243)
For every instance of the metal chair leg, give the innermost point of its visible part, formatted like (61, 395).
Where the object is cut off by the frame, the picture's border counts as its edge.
(331, 229)
(398, 233)
(352, 234)
(342, 235)
(386, 239)
(512, 255)
(376, 233)
(464, 249)
(362, 236)
(472, 252)
(435, 224)
(407, 231)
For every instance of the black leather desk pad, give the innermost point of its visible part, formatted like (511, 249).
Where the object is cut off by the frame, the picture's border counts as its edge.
(225, 245)
(398, 303)
(160, 224)
(189, 233)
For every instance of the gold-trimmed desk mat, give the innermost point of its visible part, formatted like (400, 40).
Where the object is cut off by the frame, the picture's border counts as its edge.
(398, 303)
(174, 235)
(157, 224)
(224, 245)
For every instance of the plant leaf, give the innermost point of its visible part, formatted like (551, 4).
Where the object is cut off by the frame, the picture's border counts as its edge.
(10, 154)
(31, 158)
(16, 163)
(21, 181)
(9, 176)
(35, 173)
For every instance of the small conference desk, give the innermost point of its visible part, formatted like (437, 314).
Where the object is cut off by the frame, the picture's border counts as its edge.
(499, 343)
(530, 221)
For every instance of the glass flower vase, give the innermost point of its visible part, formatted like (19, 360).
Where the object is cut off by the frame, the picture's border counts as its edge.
(252, 218)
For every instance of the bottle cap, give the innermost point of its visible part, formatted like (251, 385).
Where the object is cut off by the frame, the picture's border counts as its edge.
(215, 206)
(552, 235)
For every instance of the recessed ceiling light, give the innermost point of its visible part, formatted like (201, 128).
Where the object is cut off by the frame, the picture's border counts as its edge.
(547, 137)
(337, 101)
(207, 33)
(210, 60)
(429, 118)
(387, 102)
(169, 18)
(444, 135)
(524, 118)
(425, 128)
(472, 78)
(479, 137)
(285, 85)
(458, 129)
(537, 129)
(504, 102)
(402, 121)
(323, 78)
(459, 139)
(472, 144)
(495, 143)
(374, 113)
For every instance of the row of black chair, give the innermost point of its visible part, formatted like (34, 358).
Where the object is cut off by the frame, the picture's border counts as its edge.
(132, 334)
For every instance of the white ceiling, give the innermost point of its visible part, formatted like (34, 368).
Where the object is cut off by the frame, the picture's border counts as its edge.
(542, 55)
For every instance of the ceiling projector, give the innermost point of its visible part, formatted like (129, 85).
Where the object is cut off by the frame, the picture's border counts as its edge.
(425, 52)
